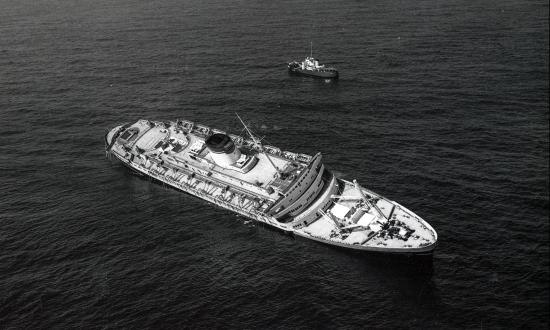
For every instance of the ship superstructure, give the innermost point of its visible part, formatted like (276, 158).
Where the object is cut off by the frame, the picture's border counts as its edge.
(310, 66)
(292, 192)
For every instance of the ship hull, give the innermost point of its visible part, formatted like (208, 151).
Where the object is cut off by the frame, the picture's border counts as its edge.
(427, 250)
(197, 193)
(262, 218)
(312, 73)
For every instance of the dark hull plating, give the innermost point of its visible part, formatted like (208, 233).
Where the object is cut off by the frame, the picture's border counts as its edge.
(314, 73)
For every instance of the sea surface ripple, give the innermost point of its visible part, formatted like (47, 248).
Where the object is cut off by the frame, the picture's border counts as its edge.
(441, 106)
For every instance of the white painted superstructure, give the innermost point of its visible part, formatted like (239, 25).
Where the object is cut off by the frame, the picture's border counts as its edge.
(289, 191)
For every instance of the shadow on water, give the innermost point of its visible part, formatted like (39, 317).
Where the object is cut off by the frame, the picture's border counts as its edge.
(386, 264)
(313, 81)
(407, 265)
(407, 279)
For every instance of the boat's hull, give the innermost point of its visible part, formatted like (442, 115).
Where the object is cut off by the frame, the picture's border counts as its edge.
(198, 193)
(262, 218)
(314, 73)
(426, 250)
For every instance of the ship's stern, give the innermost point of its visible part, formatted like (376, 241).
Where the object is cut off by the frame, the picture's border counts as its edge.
(111, 136)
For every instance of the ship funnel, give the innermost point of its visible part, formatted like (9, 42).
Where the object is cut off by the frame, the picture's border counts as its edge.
(222, 149)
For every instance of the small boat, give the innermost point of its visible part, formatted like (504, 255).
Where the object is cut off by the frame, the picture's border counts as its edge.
(311, 67)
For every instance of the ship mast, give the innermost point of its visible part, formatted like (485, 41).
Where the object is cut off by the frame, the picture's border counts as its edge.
(310, 49)
(258, 143)
(369, 201)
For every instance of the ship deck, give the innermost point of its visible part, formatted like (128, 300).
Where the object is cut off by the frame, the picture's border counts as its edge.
(186, 150)
(396, 228)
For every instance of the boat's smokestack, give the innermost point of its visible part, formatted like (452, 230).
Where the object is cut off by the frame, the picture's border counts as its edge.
(222, 149)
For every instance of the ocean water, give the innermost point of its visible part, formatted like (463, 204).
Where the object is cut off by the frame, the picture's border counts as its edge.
(441, 106)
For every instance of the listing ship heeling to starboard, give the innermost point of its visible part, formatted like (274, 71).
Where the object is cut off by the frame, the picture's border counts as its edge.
(292, 192)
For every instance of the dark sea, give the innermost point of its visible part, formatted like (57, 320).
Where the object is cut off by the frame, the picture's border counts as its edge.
(441, 105)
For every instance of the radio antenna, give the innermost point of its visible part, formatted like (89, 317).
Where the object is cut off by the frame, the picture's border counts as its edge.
(258, 143)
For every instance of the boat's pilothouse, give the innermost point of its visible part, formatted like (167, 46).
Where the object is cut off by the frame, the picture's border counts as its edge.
(293, 192)
(312, 64)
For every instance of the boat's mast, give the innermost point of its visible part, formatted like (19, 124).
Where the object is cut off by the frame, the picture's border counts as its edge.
(310, 49)
(258, 143)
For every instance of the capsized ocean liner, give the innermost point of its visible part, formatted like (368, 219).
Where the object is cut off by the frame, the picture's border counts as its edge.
(292, 192)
